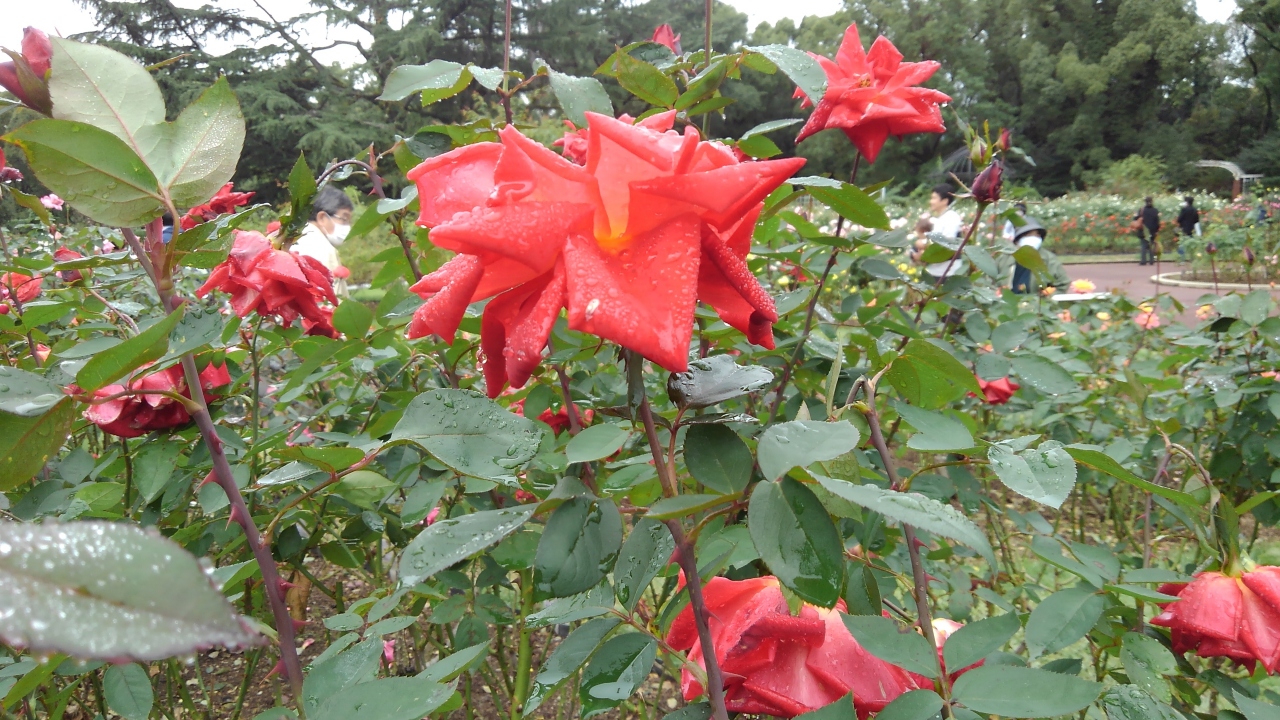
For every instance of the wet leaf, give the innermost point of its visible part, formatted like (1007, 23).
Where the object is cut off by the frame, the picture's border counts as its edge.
(451, 541)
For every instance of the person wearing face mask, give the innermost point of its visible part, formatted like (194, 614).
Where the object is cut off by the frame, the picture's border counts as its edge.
(329, 226)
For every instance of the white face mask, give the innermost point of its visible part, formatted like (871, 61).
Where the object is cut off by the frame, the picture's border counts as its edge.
(339, 234)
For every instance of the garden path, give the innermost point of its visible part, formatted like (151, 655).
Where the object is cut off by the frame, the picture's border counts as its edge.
(1134, 281)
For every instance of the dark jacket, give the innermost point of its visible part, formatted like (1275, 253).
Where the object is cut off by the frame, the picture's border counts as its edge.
(1150, 218)
(1187, 219)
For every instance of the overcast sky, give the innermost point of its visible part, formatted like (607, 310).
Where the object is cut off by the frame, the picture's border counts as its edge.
(66, 17)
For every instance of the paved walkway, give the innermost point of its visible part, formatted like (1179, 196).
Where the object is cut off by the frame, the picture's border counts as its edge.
(1134, 281)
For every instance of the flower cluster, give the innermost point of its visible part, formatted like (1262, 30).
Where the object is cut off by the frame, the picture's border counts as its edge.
(629, 243)
(778, 664)
(873, 94)
(1218, 615)
(223, 202)
(274, 283)
(140, 407)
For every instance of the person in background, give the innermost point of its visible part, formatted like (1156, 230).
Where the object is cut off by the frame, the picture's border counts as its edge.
(1031, 234)
(166, 223)
(330, 223)
(948, 223)
(1188, 222)
(1148, 221)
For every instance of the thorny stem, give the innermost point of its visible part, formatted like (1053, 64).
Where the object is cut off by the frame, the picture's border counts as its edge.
(272, 584)
(685, 557)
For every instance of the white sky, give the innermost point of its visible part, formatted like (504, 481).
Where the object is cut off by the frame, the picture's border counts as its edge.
(67, 17)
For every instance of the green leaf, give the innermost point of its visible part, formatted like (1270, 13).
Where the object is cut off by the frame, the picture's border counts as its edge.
(1020, 692)
(714, 379)
(1254, 710)
(1129, 702)
(1046, 474)
(1103, 463)
(33, 679)
(976, 640)
(451, 666)
(1145, 660)
(916, 510)
(329, 459)
(770, 126)
(470, 433)
(1063, 618)
(892, 643)
(685, 505)
(796, 64)
(936, 432)
(32, 203)
(929, 377)
(127, 689)
(615, 671)
(914, 705)
(394, 698)
(645, 81)
(197, 328)
(802, 442)
(578, 96)
(578, 546)
(1029, 257)
(96, 85)
(696, 711)
(567, 658)
(115, 362)
(854, 205)
(153, 465)
(353, 318)
(842, 709)
(420, 501)
(364, 488)
(1045, 376)
(718, 458)
(797, 540)
(354, 666)
(437, 80)
(448, 542)
(92, 170)
(27, 443)
(597, 442)
(26, 394)
(109, 591)
(197, 154)
(645, 552)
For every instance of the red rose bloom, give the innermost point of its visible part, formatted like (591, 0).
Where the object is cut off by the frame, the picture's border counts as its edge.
(664, 35)
(873, 95)
(26, 76)
(654, 222)
(274, 283)
(223, 202)
(66, 254)
(998, 392)
(780, 665)
(135, 415)
(8, 174)
(24, 288)
(1221, 616)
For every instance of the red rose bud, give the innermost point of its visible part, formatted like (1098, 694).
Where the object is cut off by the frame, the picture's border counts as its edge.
(664, 35)
(1211, 248)
(1218, 615)
(998, 392)
(26, 75)
(986, 187)
(1006, 140)
(8, 174)
(978, 152)
(1249, 257)
(65, 254)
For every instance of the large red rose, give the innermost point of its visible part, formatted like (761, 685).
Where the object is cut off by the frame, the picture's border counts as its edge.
(629, 243)
(135, 415)
(998, 392)
(782, 665)
(1221, 616)
(872, 95)
(274, 283)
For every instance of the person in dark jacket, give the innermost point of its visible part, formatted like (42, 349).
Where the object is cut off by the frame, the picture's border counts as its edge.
(1188, 219)
(1150, 218)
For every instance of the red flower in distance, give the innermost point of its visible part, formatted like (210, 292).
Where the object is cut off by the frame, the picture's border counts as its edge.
(998, 392)
(26, 75)
(558, 420)
(223, 202)
(65, 254)
(654, 222)
(134, 415)
(24, 288)
(274, 283)
(780, 665)
(8, 174)
(1221, 616)
(873, 95)
(664, 35)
